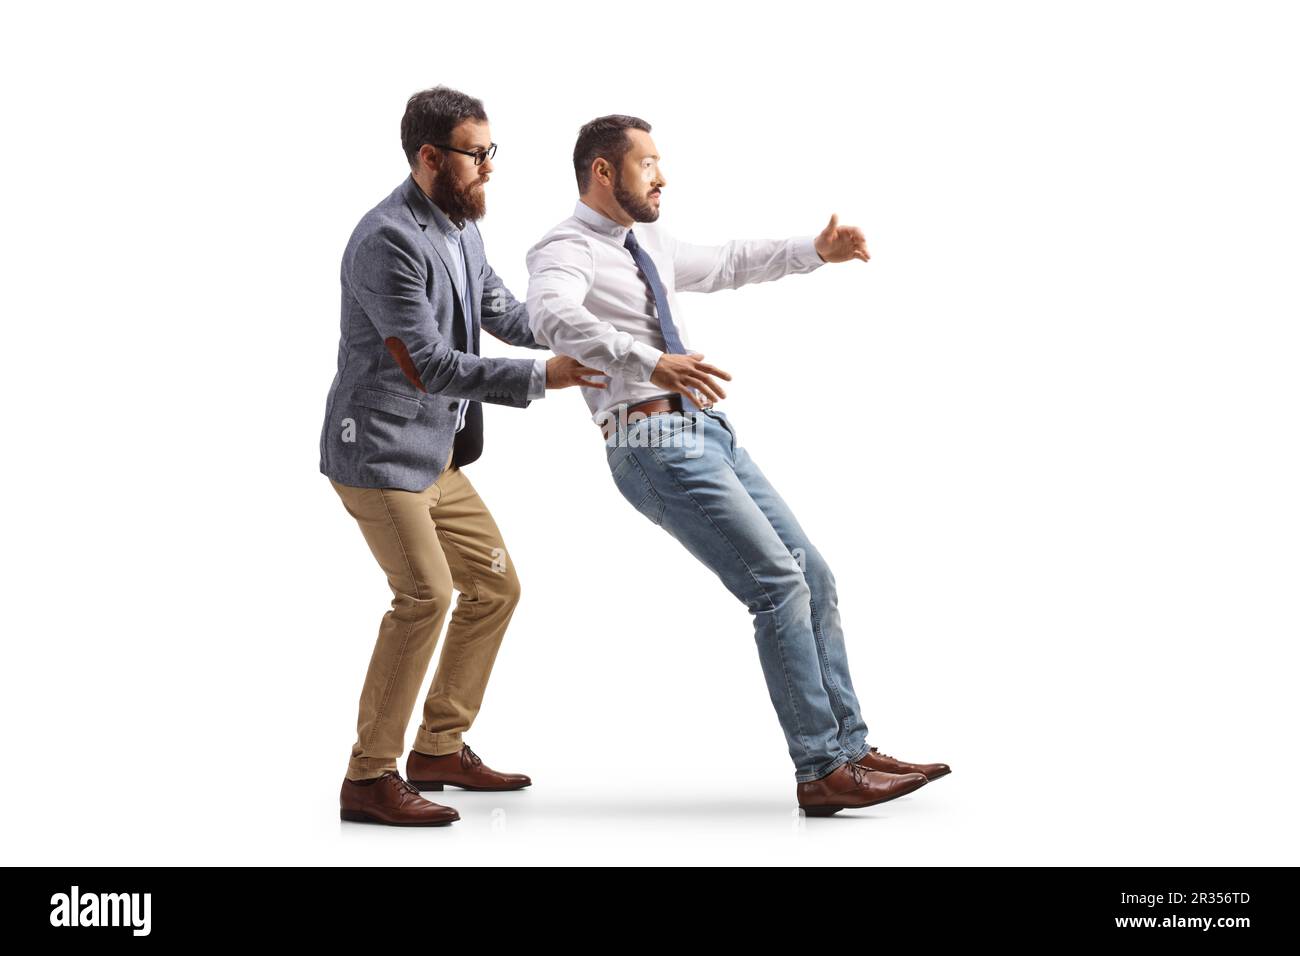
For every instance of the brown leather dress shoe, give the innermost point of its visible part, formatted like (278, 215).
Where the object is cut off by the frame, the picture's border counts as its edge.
(390, 799)
(873, 759)
(850, 786)
(464, 769)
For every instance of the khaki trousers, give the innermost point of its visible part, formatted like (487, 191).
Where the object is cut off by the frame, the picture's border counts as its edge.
(429, 542)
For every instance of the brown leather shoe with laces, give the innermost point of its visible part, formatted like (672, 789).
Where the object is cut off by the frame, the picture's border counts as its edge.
(850, 786)
(873, 759)
(390, 799)
(464, 769)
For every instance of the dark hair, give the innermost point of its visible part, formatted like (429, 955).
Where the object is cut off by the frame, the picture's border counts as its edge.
(606, 137)
(432, 114)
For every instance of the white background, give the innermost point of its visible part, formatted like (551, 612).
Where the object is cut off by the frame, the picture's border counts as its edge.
(1046, 437)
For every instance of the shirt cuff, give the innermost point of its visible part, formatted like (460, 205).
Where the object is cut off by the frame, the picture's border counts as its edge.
(805, 256)
(537, 381)
(641, 361)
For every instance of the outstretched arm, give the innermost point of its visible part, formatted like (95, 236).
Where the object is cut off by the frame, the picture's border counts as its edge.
(739, 262)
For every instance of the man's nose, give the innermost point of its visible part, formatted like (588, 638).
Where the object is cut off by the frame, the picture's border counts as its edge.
(485, 167)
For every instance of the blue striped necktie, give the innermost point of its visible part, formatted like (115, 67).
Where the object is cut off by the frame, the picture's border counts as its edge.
(672, 340)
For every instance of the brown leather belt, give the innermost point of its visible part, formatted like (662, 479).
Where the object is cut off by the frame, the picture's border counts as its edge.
(655, 406)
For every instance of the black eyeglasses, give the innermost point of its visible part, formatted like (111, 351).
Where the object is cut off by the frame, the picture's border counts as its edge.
(478, 154)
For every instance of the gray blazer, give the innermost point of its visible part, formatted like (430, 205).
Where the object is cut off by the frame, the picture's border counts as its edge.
(407, 352)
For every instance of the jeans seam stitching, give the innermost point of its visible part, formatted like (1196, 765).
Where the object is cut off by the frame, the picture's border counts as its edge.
(822, 656)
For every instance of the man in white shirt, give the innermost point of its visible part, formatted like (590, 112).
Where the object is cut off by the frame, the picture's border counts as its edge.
(602, 291)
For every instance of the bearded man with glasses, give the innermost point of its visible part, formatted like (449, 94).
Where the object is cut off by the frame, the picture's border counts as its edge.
(402, 418)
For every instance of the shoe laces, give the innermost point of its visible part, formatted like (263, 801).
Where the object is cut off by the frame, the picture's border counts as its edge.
(406, 783)
(858, 772)
(879, 753)
(469, 757)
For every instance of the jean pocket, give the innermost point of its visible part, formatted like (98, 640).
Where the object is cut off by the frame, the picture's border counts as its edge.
(632, 483)
(674, 430)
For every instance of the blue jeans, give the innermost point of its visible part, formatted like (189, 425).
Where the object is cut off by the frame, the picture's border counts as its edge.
(688, 475)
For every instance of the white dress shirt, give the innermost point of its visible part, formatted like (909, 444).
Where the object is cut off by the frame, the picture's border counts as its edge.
(587, 300)
(451, 234)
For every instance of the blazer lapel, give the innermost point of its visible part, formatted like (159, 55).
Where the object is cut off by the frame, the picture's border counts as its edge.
(439, 244)
(474, 256)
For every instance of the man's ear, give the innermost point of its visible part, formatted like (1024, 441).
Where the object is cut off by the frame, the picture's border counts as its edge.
(430, 160)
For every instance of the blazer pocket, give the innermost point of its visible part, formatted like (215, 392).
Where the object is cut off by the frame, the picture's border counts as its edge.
(402, 406)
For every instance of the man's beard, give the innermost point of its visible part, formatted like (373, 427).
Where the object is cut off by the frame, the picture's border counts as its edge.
(460, 204)
(639, 208)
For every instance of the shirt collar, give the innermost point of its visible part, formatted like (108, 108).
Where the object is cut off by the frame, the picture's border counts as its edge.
(438, 217)
(445, 225)
(600, 222)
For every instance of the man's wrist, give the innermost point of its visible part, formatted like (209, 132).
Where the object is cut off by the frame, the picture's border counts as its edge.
(806, 252)
(645, 359)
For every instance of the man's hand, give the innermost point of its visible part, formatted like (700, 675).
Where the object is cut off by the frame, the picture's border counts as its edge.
(562, 371)
(838, 243)
(686, 373)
